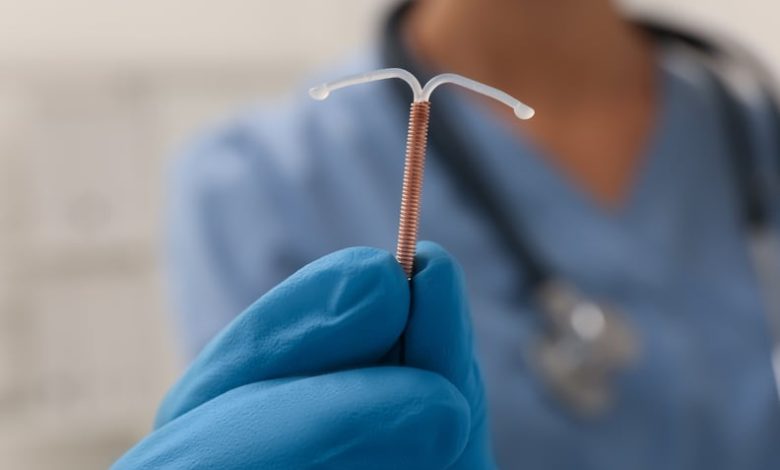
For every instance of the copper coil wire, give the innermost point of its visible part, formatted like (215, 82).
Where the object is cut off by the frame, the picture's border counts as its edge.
(412, 186)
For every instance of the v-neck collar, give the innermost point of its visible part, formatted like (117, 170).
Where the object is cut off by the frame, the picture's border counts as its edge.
(547, 205)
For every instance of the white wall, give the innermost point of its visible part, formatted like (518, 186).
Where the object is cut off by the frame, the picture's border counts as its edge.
(165, 31)
(753, 22)
(94, 94)
(160, 31)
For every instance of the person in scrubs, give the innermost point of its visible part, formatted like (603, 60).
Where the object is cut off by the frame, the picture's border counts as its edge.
(622, 185)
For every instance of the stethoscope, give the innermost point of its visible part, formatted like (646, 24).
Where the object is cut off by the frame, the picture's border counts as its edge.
(585, 341)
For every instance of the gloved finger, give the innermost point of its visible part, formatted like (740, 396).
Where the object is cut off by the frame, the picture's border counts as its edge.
(384, 417)
(439, 337)
(344, 310)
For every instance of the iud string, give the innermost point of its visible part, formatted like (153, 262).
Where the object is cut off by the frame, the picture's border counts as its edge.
(416, 141)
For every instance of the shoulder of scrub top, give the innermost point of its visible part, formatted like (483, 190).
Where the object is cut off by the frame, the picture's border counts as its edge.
(756, 103)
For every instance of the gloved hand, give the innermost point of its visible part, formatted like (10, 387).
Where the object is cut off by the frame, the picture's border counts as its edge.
(301, 379)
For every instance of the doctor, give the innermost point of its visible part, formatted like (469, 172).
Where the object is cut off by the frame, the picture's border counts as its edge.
(623, 185)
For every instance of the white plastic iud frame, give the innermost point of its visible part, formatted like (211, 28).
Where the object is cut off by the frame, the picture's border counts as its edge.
(521, 110)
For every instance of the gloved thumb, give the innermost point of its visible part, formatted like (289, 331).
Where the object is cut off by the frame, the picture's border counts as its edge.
(438, 338)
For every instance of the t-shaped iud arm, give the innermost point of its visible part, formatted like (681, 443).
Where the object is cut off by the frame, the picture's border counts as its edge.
(416, 141)
(420, 93)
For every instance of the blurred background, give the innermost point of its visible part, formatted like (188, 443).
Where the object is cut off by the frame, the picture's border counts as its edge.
(95, 96)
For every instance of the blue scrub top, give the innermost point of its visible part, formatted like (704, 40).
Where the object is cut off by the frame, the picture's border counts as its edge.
(261, 195)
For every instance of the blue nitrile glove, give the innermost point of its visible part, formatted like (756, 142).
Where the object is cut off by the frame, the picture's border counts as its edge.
(300, 379)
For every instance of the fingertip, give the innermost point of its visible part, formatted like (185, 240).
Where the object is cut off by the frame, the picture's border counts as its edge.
(438, 336)
(356, 258)
(429, 417)
(451, 412)
(363, 262)
(434, 263)
(354, 277)
(433, 257)
(390, 417)
(427, 252)
(369, 275)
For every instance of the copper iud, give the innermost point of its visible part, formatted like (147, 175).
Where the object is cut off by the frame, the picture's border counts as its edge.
(416, 141)
(414, 166)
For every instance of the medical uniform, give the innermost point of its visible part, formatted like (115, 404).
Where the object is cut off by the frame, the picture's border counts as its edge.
(278, 186)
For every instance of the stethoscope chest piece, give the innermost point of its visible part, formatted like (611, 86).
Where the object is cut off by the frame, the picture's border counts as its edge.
(585, 344)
